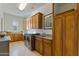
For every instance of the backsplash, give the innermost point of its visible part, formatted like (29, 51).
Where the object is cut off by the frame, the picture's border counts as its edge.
(48, 32)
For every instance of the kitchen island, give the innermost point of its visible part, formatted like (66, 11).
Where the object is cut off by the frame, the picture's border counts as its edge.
(4, 46)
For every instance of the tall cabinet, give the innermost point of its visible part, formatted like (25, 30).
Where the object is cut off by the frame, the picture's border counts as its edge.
(78, 25)
(58, 34)
(65, 32)
(70, 33)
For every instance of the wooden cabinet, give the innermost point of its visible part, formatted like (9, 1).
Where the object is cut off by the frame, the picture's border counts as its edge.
(65, 34)
(70, 34)
(47, 47)
(39, 18)
(11, 36)
(78, 25)
(34, 22)
(58, 35)
(39, 45)
(37, 21)
(16, 37)
(43, 46)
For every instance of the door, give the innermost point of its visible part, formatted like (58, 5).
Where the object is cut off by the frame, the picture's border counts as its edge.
(34, 22)
(70, 34)
(37, 44)
(58, 35)
(40, 45)
(78, 25)
(47, 47)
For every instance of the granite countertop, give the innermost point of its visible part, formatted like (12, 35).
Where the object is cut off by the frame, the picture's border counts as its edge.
(6, 38)
(45, 37)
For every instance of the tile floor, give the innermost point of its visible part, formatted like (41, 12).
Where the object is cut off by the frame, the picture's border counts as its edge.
(19, 49)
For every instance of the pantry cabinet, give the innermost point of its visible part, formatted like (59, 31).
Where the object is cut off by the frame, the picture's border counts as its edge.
(78, 25)
(65, 33)
(58, 35)
(70, 34)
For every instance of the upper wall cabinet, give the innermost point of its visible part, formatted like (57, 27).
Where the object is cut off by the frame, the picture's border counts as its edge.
(37, 21)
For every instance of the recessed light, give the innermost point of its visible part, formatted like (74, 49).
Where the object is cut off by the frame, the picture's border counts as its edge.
(22, 6)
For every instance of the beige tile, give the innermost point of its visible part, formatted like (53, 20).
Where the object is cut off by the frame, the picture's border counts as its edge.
(19, 49)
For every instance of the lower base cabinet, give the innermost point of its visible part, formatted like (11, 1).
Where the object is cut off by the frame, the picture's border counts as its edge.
(43, 46)
(16, 37)
(47, 47)
(39, 45)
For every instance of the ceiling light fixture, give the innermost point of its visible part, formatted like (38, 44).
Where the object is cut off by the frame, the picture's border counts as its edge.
(22, 6)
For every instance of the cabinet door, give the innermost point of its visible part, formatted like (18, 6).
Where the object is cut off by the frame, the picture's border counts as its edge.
(47, 47)
(70, 34)
(11, 36)
(78, 25)
(37, 20)
(33, 22)
(37, 45)
(16, 38)
(40, 46)
(58, 35)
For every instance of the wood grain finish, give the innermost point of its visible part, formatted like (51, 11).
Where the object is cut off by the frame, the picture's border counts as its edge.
(33, 22)
(37, 21)
(70, 34)
(77, 9)
(47, 47)
(58, 35)
(16, 37)
(39, 45)
(65, 34)
(43, 46)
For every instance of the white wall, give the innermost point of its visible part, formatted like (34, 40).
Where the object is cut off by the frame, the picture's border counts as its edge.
(1, 19)
(63, 7)
(9, 19)
(45, 9)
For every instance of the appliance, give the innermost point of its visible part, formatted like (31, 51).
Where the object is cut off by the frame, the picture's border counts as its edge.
(30, 38)
(30, 41)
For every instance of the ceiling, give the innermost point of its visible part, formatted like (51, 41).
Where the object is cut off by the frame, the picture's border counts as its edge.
(12, 8)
